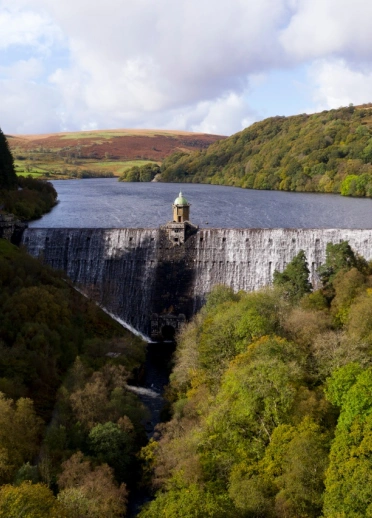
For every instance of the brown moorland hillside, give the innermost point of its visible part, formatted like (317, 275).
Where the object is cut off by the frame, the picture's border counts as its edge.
(99, 151)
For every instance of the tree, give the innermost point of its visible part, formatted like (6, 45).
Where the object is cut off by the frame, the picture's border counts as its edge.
(294, 280)
(349, 476)
(289, 480)
(231, 322)
(258, 392)
(19, 434)
(8, 177)
(220, 294)
(29, 501)
(347, 286)
(148, 172)
(144, 173)
(111, 444)
(94, 487)
(300, 471)
(339, 256)
(334, 349)
(104, 397)
(190, 502)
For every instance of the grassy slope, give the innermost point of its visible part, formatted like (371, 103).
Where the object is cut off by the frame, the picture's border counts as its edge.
(325, 152)
(100, 152)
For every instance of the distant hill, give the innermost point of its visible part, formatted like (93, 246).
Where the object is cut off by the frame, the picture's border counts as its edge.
(101, 152)
(329, 151)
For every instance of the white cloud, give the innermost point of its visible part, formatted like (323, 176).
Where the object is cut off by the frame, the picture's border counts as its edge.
(336, 84)
(133, 62)
(26, 28)
(320, 28)
(29, 107)
(188, 64)
(225, 115)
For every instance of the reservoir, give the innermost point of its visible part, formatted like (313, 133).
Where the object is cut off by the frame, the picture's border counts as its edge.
(107, 203)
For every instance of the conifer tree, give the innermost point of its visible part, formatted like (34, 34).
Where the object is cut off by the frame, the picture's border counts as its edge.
(8, 177)
(339, 256)
(295, 278)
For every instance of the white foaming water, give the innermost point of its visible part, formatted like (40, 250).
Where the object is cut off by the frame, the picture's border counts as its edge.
(142, 391)
(119, 320)
(128, 326)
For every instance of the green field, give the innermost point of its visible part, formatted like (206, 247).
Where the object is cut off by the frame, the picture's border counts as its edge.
(47, 165)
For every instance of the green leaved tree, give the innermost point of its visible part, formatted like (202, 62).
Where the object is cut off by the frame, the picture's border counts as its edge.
(349, 476)
(339, 256)
(294, 280)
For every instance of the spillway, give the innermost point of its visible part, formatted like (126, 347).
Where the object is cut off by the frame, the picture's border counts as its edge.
(136, 273)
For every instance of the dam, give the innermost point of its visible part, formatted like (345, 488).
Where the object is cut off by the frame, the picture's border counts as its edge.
(155, 279)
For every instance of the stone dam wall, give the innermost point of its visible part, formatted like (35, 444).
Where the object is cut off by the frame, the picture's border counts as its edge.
(137, 274)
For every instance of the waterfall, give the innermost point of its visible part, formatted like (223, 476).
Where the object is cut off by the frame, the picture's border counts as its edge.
(134, 273)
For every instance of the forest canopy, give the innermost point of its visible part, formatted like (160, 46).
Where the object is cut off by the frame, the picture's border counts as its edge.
(327, 152)
(68, 422)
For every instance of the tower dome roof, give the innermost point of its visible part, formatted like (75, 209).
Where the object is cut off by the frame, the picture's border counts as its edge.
(181, 200)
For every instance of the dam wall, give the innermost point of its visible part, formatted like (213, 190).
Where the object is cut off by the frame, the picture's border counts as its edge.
(146, 279)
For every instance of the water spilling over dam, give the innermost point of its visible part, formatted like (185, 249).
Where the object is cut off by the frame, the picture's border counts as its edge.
(153, 282)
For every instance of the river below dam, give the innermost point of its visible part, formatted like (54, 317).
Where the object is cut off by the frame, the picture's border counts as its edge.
(107, 203)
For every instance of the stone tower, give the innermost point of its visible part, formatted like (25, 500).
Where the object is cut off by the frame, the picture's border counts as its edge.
(181, 209)
(180, 228)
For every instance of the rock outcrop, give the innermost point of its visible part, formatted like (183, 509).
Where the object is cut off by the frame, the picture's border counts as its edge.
(11, 228)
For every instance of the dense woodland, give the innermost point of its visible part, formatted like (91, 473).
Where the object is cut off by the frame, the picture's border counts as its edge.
(69, 426)
(144, 173)
(326, 152)
(272, 400)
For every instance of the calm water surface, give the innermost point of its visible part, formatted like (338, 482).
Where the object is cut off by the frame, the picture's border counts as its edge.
(107, 203)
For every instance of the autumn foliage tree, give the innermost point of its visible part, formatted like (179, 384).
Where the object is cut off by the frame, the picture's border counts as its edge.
(20, 430)
(327, 152)
(90, 491)
(29, 501)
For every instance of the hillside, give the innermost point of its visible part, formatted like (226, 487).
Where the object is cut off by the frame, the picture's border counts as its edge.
(329, 152)
(99, 153)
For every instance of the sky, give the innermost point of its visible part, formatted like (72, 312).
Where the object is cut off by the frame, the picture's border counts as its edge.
(195, 65)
